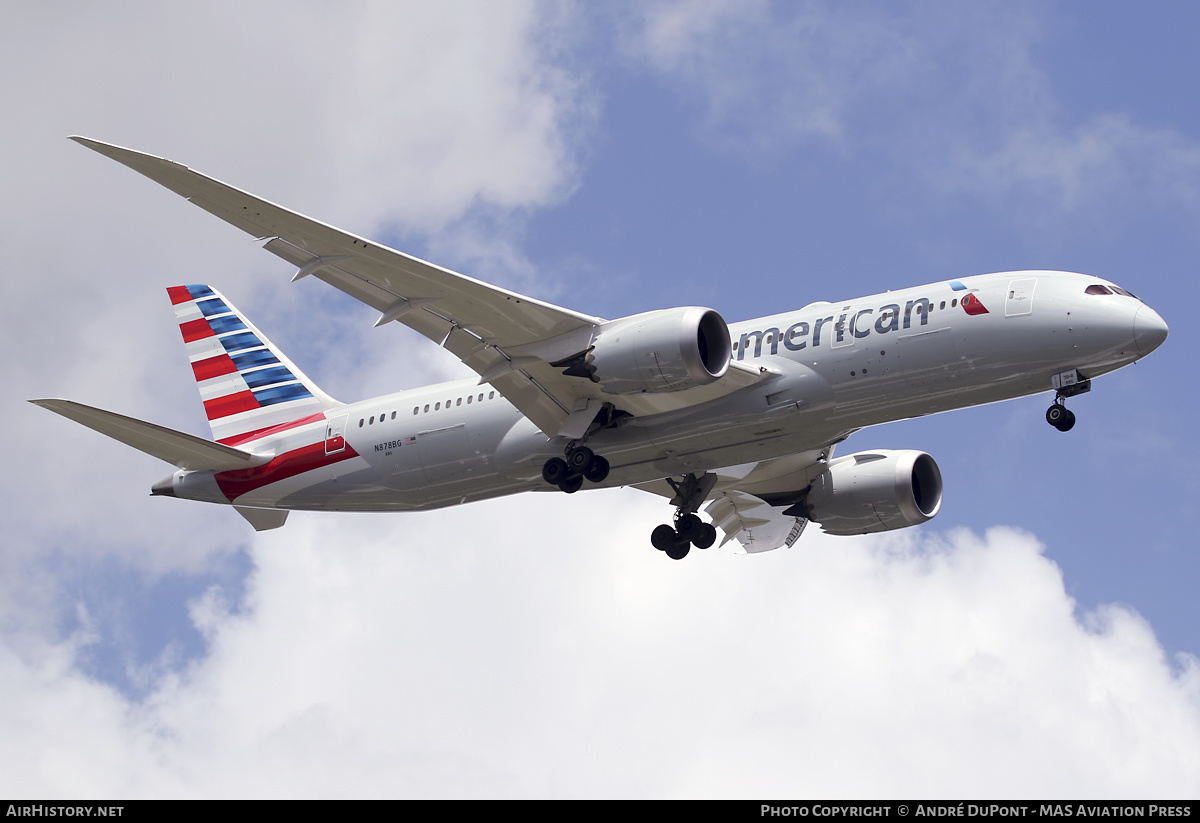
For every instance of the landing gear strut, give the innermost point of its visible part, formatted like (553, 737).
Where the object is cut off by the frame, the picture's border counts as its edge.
(689, 530)
(580, 464)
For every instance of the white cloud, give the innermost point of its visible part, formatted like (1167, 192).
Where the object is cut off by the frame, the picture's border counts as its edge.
(463, 654)
(1105, 155)
(959, 96)
(382, 117)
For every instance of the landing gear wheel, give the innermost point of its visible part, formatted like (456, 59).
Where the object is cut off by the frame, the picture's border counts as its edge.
(663, 537)
(555, 470)
(579, 458)
(679, 550)
(597, 470)
(1056, 414)
(571, 484)
(688, 526)
(705, 536)
(1067, 423)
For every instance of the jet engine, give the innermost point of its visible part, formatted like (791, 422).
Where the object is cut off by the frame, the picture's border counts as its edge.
(876, 491)
(660, 351)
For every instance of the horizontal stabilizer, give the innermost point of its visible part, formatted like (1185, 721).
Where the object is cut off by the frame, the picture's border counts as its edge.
(263, 520)
(183, 450)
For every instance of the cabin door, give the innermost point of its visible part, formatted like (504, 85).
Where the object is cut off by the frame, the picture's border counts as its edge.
(335, 434)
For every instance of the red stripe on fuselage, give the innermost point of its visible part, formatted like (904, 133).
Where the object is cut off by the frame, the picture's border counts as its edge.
(235, 483)
(195, 330)
(230, 404)
(238, 439)
(213, 367)
(178, 294)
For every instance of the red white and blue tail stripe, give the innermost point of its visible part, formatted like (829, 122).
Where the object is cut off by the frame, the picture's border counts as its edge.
(248, 387)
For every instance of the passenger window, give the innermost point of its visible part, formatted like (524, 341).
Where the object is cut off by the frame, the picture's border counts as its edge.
(427, 408)
(491, 395)
(437, 406)
(360, 422)
(458, 402)
(371, 422)
(416, 409)
(470, 397)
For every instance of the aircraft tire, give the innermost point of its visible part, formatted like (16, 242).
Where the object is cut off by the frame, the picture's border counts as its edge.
(597, 470)
(705, 536)
(1055, 415)
(688, 526)
(1067, 423)
(579, 459)
(679, 550)
(571, 484)
(554, 471)
(663, 537)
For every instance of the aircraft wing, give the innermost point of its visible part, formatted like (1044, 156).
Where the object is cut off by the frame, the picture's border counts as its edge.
(507, 338)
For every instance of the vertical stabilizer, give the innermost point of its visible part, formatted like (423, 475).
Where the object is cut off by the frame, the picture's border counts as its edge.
(247, 385)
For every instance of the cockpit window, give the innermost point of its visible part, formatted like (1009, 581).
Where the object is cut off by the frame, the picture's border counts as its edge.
(1120, 290)
(1097, 289)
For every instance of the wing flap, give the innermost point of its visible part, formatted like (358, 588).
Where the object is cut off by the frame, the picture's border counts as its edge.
(753, 522)
(185, 451)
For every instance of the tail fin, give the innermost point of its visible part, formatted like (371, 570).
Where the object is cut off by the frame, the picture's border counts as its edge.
(247, 385)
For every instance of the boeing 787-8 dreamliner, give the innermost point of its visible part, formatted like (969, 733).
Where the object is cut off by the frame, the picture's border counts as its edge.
(742, 417)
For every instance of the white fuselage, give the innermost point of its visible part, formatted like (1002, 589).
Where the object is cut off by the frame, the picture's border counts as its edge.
(833, 368)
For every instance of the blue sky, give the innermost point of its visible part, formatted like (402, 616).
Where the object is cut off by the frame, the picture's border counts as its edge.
(750, 157)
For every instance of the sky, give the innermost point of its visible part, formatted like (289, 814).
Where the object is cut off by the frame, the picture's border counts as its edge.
(1037, 639)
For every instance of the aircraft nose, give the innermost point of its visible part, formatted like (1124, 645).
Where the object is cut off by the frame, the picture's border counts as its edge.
(1149, 330)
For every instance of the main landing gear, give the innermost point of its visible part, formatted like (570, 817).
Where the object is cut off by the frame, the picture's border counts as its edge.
(689, 530)
(580, 464)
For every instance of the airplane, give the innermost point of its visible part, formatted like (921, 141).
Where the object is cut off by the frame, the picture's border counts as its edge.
(743, 417)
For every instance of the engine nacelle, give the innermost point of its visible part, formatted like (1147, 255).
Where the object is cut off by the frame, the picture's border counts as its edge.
(661, 351)
(876, 491)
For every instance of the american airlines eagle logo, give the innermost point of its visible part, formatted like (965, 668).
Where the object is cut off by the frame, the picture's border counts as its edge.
(970, 302)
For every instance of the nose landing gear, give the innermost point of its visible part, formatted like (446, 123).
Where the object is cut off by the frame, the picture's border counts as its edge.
(1066, 384)
(689, 530)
